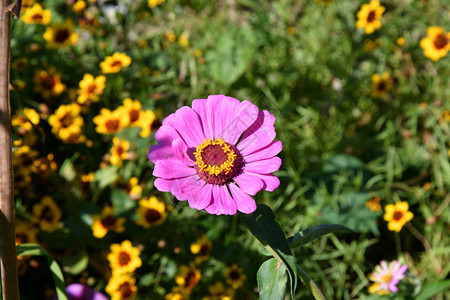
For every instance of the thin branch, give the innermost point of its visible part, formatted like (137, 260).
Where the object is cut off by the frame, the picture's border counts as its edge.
(14, 8)
(10, 287)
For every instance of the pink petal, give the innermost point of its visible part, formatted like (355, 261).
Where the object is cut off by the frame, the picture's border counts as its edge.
(160, 152)
(259, 135)
(187, 188)
(271, 182)
(163, 185)
(166, 134)
(265, 166)
(204, 198)
(267, 152)
(172, 168)
(248, 183)
(187, 123)
(180, 150)
(200, 107)
(222, 203)
(245, 203)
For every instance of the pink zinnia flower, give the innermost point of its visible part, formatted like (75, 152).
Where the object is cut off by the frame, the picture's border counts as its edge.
(216, 154)
(386, 277)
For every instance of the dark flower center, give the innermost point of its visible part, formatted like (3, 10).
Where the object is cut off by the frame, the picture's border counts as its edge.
(125, 290)
(124, 258)
(21, 238)
(217, 162)
(134, 115)
(440, 41)
(116, 63)
(398, 215)
(112, 125)
(152, 215)
(37, 17)
(190, 280)
(47, 214)
(48, 82)
(62, 35)
(108, 221)
(91, 88)
(235, 275)
(204, 250)
(371, 16)
(382, 86)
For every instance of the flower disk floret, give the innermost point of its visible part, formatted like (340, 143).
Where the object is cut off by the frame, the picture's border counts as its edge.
(216, 154)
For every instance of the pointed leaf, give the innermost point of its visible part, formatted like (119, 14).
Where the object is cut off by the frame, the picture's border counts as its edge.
(312, 233)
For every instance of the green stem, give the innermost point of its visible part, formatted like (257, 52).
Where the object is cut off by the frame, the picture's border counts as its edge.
(317, 293)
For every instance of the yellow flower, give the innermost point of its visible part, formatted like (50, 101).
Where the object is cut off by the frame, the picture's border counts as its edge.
(401, 41)
(24, 158)
(147, 119)
(122, 287)
(369, 45)
(201, 247)
(369, 16)
(67, 123)
(151, 212)
(37, 15)
(177, 294)
(374, 204)
(91, 88)
(61, 35)
(124, 258)
(109, 122)
(48, 83)
(133, 188)
(107, 221)
(25, 232)
(27, 4)
(235, 277)
(397, 215)
(436, 44)
(119, 151)
(114, 63)
(188, 277)
(183, 40)
(381, 84)
(25, 119)
(79, 6)
(19, 63)
(153, 3)
(47, 214)
(170, 36)
(219, 292)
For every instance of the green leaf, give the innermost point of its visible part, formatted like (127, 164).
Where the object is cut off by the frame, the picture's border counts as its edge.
(121, 201)
(263, 226)
(432, 289)
(233, 51)
(312, 233)
(58, 278)
(272, 280)
(75, 264)
(342, 161)
(106, 176)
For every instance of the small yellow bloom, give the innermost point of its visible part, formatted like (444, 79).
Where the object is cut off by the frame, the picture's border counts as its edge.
(106, 222)
(79, 6)
(19, 63)
(153, 3)
(48, 83)
(183, 40)
(26, 119)
(61, 35)
(27, 4)
(25, 232)
(109, 122)
(290, 30)
(369, 45)
(188, 277)
(67, 123)
(374, 204)
(201, 248)
(24, 158)
(119, 151)
(401, 41)
(397, 215)
(369, 16)
(170, 36)
(122, 287)
(37, 15)
(47, 214)
(177, 294)
(91, 88)
(124, 258)
(219, 292)
(381, 84)
(151, 212)
(134, 116)
(133, 188)
(235, 277)
(436, 44)
(114, 63)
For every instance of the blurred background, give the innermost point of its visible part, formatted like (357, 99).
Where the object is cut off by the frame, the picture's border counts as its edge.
(364, 119)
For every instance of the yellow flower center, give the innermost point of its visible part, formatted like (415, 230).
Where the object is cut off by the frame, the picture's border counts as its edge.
(217, 161)
(386, 278)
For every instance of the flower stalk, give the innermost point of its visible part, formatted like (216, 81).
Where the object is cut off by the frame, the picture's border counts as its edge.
(10, 287)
